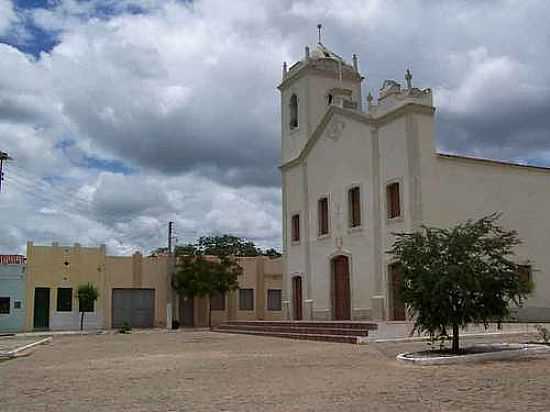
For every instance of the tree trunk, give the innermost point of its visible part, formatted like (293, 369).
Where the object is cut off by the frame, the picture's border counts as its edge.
(456, 344)
(82, 321)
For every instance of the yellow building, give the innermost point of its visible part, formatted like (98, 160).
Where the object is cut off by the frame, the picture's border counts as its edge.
(137, 290)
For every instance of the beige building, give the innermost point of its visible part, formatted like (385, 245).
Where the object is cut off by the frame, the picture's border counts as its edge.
(353, 176)
(259, 296)
(135, 289)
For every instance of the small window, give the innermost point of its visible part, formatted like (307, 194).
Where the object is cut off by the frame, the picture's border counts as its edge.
(354, 199)
(330, 99)
(5, 305)
(17, 304)
(525, 273)
(293, 111)
(323, 216)
(394, 204)
(296, 228)
(246, 299)
(65, 300)
(217, 301)
(274, 299)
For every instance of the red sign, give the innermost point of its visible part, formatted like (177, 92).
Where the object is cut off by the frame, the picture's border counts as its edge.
(12, 260)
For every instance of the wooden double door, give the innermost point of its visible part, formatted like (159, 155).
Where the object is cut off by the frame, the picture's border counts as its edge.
(341, 296)
(398, 309)
(297, 303)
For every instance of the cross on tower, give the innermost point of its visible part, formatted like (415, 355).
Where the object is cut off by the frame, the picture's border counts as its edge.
(408, 78)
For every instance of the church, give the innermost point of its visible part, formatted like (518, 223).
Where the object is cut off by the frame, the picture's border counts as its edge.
(354, 175)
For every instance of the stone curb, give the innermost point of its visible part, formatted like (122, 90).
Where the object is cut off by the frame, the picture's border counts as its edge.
(517, 351)
(14, 352)
(462, 335)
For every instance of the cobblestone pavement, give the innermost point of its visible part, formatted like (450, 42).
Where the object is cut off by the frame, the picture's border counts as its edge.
(204, 371)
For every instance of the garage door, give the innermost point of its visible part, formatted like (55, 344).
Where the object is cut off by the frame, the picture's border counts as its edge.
(135, 306)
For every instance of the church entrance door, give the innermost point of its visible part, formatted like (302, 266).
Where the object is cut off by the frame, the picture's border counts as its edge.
(341, 288)
(398, 308)
(297, 297)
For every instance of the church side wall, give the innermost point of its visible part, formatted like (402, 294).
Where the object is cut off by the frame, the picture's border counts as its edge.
(461, 189)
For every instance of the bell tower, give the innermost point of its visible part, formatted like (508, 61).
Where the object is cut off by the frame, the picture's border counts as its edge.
(308, 88)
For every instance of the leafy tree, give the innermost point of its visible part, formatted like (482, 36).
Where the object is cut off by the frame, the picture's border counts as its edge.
(464, 274)
(159, 251)
(87, 294)
(187, 249)
(227, 245)
(219, 245)
(200, 276)
(272, 253)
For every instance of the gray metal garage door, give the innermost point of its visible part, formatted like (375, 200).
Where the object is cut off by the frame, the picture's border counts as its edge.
(135, 306)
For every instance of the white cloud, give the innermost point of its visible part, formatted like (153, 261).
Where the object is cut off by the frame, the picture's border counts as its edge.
(7, 16)
(183, 95)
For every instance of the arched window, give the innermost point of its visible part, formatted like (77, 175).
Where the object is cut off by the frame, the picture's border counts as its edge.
(293, 106)
(330, 99)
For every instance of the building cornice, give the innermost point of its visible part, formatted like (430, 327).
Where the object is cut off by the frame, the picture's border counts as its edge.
(366, 118)
(491, 162)
(310, 69)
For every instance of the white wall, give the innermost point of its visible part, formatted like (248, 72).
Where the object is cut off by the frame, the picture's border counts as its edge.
(462, 189)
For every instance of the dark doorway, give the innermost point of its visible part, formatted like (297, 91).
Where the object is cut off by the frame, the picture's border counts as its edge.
(186, 311)
(297, 297)
(341, 288)
(398, 308)
(41, 308)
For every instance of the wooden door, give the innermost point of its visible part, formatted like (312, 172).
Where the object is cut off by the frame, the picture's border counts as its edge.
(186, 311)
(41, 318)
(398, 308)
(297, 297)
(341, 288)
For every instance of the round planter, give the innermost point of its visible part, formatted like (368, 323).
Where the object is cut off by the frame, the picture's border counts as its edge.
(501, 351)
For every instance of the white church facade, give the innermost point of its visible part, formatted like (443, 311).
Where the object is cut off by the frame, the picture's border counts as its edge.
(353, 175)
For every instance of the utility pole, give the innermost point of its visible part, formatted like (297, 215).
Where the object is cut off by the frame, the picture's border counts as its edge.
(170, 236)
(3, 157)
(170, 266)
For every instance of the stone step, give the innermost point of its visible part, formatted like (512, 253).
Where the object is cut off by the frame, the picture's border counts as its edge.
(301, 336)
(302, 330)
(307, 324)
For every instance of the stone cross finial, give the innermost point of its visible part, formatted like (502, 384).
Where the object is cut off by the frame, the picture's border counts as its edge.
(408, 78)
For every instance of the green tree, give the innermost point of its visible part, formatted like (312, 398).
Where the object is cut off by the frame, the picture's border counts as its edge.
(87, 294)
(451, 277)
(272, 253)
(201, 276)
(219, 245)
(227, 245)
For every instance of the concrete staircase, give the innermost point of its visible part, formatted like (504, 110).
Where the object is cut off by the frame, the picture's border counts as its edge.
(329, 331)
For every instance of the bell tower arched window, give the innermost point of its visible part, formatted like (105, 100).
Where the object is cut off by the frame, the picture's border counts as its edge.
(293, 106)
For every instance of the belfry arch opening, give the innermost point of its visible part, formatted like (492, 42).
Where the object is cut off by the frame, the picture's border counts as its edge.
(293, 111)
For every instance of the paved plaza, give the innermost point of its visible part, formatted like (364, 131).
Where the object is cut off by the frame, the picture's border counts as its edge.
(205, 371)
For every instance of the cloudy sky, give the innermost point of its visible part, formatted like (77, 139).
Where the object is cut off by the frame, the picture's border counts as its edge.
(122, 115)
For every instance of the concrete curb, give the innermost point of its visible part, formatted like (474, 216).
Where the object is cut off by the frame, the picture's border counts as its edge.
(462, 335)
(513, 351)
(14, 352)
(62, 333)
